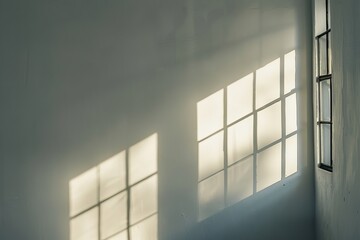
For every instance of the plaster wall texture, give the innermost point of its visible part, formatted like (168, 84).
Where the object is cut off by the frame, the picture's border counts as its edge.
(337, 193)
(81, 81)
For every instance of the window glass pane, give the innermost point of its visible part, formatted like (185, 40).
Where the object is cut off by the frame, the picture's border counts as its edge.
(211, 155)
(240, 140)
(112, 176)
(330, 53)
(317, 101)
(326, 144)
(323, 61)
(240, 98)
(210, 114)
(211, 195)
(325, 106)
(318, 147)
(240, 180)
(320, 16)
(113, 215)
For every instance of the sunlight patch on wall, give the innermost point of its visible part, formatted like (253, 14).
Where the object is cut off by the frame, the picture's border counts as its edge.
(118, 199)
(291, 158)
(268, 83)
(211, 195)
(85, 226)
(121, 236)
(268, 167)
(269, 125)
(145, 230)
(210, 114)
(240, 140)
(291, 114)
(112, 175)
(240, 92)
(240, 180)
(247, 136)
(211, 156)
(289, 72)
(83, 191)
(143, 159)
(143, 199)
(113, 215)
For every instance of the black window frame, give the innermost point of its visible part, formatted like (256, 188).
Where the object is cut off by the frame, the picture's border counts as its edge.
(320, 77)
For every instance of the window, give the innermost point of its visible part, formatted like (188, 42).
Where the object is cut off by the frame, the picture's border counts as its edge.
(247, 135)
(323, 82)
(117, 200)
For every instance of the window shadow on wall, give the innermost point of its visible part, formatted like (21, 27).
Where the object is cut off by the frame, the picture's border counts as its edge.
(118, 199)
(247, 136)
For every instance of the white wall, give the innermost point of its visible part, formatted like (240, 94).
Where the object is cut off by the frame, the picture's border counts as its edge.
(337, 193)
(83, 80)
